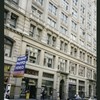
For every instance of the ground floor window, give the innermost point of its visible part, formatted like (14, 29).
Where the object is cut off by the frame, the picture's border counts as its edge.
(30, 85)
(81, 88)
(72, 90)
(48, 88)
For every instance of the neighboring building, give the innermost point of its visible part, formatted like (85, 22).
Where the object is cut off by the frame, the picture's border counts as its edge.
(59, 38)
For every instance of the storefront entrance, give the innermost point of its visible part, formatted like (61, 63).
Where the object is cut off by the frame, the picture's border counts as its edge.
(32, 90)
(30, 85)
(61, 90)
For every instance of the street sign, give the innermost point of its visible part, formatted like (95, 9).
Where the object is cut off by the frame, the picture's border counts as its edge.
(20, 66)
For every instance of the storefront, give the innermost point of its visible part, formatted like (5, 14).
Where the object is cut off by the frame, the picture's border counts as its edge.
(29, 84)
(72, 88)
(47, 84)
(81, 88)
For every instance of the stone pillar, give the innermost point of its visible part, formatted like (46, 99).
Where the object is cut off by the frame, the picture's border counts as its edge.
(46, 2)
(44, 36)
(23, 50)
(77, 86)
(69, 48)
(67, 69)
(42, 57)
(58, 43)
(17, 88)
(39, 86)
(26, 29)
(67, 88)
(78, 53)
(57, 85)
(77, 69)
(85, 72)
(56, 63)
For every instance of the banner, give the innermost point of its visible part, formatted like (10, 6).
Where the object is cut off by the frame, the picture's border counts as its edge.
(20, 66)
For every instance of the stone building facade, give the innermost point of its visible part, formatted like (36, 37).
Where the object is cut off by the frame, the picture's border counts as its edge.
(59, 38)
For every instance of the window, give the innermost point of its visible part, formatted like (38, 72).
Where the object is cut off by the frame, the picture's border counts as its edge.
(81, 71)
(73, 37)
(81, 88)
(36, 12)
(89, 73)
(49, 60)
(74, 13)
(48, 39)
(74, 25)
(52, 8)
(64, 17)
(61, 45)
(65, 47)
(73, 68)
(89, 59)
(13, 20)
(33, 54)
(32, 30)
(51, 22)
(39, 2)
(81, 42)
(15, 1)
(88, 25)
(89, 16)
(82, 20)
(63, 30)
(39, 14)
(89, 38)
(33, 10)
(62, 65)
(82, 8)
(38, 34)
(47, 75)
(75, 2)
(73, 51)
(5, 15)
(51, 40)
(8, 44)
(82, 33)
(65, 4)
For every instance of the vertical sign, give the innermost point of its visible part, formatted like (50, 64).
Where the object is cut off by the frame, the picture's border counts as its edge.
(20, 66)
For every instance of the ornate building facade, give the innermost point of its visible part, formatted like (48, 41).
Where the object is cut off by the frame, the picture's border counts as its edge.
(59, 38)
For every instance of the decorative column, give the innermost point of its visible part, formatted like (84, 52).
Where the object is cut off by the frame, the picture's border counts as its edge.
(77, 86)
(41, 58)
(67, 69)
(57, 85)
(58, 43)
(56, 63)
(17, 88)
(39, 85)
(44, 36)
(67, 87)
(69, 48)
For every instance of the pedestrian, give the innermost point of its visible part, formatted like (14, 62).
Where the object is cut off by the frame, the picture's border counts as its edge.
(78, 97)
(8, 94)
(43, 93)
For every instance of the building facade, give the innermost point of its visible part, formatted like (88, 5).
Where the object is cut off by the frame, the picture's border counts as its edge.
(59, 38)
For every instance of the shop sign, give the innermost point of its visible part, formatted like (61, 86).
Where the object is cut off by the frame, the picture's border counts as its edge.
(20, 66)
